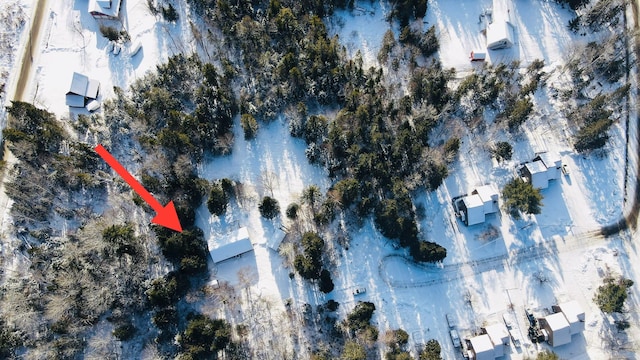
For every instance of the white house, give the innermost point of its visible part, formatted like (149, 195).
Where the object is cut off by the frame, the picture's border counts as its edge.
(105, 9)
(489, 196)
(499, 35)
(482, 347)
(239, 244)
(557, 328)
(552, 162)
(472, 210)
(574, 314)
(536, 173)
(81, 89)
(499, 338)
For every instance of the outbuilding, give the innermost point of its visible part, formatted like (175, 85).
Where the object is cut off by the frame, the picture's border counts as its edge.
(105, 9)
(558, 329)
(499, 35)
(81, 90)
(239, 244)
(477, 55)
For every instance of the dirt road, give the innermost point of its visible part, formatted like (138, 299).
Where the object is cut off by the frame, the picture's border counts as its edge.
(31, 49)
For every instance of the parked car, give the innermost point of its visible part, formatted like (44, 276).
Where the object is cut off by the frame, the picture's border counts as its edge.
(455, 338)
(359, 291)
(565, 169)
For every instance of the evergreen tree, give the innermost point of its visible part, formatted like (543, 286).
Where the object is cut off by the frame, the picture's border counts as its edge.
(218, 200)
(269, 207)
(431, 351)
(521, 196)
(611, 296)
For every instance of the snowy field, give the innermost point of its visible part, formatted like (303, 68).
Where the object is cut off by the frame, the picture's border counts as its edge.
(490, 268)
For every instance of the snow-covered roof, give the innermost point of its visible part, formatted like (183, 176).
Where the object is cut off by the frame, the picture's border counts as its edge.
(483, 347)
(238, 244)
(108, 8)
(574, 314)
(92, 89)
(536, 167)
(557, 321)
(498, 334)
(79, 84)
(499, 35)
(550, 159)
(472, 201)
(275, 239)
(487, 193)
(231, 250)
(559, 326)
(81, 87)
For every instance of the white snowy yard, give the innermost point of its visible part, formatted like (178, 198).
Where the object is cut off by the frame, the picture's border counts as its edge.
(557, 242)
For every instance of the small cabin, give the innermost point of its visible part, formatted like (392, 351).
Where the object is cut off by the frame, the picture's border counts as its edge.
(477, 56)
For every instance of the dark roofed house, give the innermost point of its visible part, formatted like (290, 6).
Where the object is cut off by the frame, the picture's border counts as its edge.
(81, 89)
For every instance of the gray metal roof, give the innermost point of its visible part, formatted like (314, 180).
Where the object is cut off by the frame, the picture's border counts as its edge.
(79, 84)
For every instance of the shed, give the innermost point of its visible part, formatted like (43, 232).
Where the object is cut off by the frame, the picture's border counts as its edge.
(472, 209)
(574, 314)
(558, 328)
(477, 55)
(499, 35)
(81, 89)
(499, 337)
(105, 9)
(239, 244)
(275, 239)
(482, 347)
(489, 196)
(552, 162)
(536, 173)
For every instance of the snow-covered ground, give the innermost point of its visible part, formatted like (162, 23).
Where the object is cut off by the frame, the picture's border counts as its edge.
(488, 266)
(72, 42)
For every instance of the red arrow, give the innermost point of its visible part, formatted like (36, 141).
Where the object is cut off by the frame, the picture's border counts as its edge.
(166, 215)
